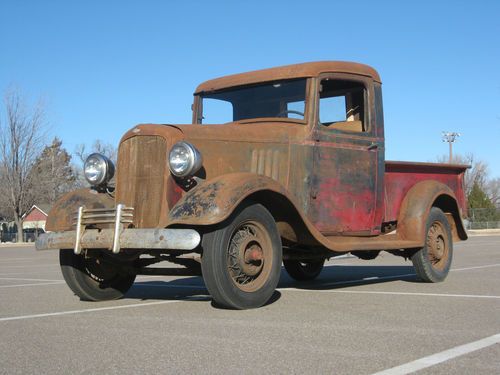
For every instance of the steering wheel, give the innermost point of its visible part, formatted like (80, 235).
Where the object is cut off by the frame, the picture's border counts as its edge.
(286, 111)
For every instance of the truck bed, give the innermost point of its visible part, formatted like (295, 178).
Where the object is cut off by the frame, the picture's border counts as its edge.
(401, 176)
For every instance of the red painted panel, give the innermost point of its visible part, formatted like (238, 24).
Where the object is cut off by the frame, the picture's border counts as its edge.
(345, 183)
(344, 207)
(400, 177)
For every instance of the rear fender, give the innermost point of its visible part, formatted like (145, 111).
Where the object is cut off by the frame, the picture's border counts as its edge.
(416, 207)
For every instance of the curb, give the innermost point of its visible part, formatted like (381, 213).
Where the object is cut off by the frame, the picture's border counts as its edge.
(483, 232)
(15, 244)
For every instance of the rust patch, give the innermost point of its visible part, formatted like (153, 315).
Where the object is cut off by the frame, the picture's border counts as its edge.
(213, 201)
(201, 202)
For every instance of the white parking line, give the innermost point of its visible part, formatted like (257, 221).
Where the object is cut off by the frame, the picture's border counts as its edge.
(32, 265)
(373, 278)
(441, 357)
(36, 284)
(286, 289)
(345, 282)
(150, 277)
(24, 273)
(17, 274)
(15, 260)
(131, 306)
(392, 293)
(476, 267)
(19, 278)
(311, 290)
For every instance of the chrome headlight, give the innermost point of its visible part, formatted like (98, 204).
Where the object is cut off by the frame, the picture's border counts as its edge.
(98, 169)
(184, 159)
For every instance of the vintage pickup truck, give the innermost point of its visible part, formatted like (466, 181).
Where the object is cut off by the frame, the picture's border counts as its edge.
(283, 165)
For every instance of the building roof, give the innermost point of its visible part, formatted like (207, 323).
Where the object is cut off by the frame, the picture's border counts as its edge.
(312, 69)
(45, 210)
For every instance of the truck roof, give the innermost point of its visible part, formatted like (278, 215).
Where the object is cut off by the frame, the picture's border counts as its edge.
(311, 69)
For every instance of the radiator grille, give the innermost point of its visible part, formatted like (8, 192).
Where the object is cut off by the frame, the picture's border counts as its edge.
(142, 161)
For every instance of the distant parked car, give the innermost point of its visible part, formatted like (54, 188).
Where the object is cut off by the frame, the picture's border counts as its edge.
(31, 234)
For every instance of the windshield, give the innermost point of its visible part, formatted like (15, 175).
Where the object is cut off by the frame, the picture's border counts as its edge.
(280, 99)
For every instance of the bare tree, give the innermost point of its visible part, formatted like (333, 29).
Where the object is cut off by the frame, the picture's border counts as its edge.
(21, 140)
(4, 212)
(106, 149)
(54, 173)
(493, 191)
(477, 174)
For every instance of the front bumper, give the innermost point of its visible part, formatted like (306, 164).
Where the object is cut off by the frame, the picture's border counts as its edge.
(168, 239)
(117, 237)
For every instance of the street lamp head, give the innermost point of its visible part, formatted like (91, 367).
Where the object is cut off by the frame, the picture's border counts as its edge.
(449, 137)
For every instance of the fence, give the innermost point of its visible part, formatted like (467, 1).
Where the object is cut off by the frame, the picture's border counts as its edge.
(483, 225)
(483, 218)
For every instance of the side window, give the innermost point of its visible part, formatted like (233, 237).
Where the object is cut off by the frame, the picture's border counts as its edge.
(296, 109)
(216, 111)
(342, 105)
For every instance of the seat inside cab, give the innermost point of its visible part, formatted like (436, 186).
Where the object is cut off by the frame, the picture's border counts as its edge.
(342, 105)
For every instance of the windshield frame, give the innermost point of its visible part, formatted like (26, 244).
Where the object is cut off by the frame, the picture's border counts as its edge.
(197, 106)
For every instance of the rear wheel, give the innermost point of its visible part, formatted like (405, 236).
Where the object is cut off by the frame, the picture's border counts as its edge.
(241, 260)
(432, 262)
(304, 270)
(93, 278)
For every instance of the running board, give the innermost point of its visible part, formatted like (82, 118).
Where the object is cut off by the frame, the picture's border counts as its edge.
(383, 242)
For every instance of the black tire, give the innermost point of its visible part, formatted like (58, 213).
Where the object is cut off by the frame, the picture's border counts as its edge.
(432, 262)
(241, 260)
(304, 270)
(92, 279)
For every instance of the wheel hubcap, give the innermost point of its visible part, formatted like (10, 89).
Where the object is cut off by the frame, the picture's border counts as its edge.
(249, 256)
(436, 245)
(252, 260)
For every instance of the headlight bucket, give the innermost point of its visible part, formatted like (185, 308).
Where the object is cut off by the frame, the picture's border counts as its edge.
(98, 169)
(184, 159)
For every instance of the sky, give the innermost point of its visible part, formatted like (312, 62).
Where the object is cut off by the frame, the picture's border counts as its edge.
(103, 66)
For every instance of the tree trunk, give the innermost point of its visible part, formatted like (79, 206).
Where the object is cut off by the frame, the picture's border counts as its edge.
(19, 224)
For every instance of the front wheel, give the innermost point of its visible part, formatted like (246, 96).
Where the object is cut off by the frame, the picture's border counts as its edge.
(432, 262)
(241, 259)
(94, 279)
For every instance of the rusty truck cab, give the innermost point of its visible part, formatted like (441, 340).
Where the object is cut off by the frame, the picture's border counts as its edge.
(335, 134)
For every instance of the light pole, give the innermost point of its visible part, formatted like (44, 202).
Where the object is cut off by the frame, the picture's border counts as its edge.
(450, 137)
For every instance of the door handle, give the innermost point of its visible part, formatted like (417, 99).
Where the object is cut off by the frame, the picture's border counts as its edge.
(373, 146)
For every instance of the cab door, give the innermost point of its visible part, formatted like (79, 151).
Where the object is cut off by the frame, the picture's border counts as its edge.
(348, 163)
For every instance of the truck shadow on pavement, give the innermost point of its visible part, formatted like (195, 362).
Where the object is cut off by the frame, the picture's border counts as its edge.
(332, 277)
(338, 276)
(185, 288)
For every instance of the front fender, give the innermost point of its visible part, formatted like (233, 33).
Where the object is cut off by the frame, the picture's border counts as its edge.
(213, 201)
(417, 204)
(62, 214)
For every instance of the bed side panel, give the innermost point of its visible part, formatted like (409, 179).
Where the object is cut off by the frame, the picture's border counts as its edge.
(400, 177)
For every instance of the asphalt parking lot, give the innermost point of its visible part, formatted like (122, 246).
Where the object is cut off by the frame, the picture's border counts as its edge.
(358, 317)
